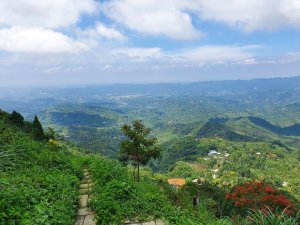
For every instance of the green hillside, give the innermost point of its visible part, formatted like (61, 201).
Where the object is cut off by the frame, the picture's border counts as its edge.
(38, 180)
(39, 183)
(236, 147)
(40, 174)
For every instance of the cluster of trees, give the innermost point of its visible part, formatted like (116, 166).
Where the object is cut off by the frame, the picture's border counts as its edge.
(34, 128)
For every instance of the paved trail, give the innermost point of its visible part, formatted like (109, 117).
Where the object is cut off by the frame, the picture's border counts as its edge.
(85, 214)
(158, 222)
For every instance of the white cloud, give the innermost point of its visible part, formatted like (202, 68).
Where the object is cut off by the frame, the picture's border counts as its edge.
(102, 31)
(44, 13)
(215, 54)
(107, 67)
(291, 8)
(138, 54)
(210, 54)
(173, 18)
(249, 61)
(291, 57)
(108, 33)
(52, 70)
(252, 15)
(152, 17)
(38, 40)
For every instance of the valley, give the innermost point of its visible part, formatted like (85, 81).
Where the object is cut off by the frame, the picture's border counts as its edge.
(215, 133)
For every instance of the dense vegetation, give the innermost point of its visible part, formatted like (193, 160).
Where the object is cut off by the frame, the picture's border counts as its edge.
(235, 162)
(220, 134)
(38, 181)
(118, 198)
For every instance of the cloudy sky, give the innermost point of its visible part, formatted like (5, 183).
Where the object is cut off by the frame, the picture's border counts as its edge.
(59, 42)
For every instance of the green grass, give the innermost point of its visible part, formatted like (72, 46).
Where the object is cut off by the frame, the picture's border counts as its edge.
(38, 181)
(271, 218)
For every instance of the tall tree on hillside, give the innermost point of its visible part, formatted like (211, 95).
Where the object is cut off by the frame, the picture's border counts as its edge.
(37, 130)
(16, 119)
(138, 147)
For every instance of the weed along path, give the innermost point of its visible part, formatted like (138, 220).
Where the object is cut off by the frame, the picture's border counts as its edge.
(85, 214)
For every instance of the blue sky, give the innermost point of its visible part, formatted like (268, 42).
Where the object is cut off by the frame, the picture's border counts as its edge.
(73, 42)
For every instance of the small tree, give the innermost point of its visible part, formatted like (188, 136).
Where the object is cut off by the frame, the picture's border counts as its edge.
(138, 147)
(37, 130)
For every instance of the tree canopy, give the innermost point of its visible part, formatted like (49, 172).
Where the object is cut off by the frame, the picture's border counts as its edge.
(138, 148)
(37, 130)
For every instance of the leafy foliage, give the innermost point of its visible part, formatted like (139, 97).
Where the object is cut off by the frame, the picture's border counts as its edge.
(117, 198)
(139, 148)
(38, 181)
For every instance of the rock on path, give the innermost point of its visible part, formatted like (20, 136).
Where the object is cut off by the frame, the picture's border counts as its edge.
(85, 215)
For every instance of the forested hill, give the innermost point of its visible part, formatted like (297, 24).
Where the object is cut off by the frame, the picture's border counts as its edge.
(293, 130)
(214, 129)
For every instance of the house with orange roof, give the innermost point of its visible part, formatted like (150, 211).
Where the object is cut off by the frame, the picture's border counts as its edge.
(177, 182)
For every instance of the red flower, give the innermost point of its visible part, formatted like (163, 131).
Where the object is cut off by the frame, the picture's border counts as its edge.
(258, 195)
(237, 203)
(286, 211)
(227, 196)
(269, 189)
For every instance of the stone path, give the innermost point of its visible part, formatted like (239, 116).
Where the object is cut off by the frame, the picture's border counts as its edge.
(157, 222)
(85, 214)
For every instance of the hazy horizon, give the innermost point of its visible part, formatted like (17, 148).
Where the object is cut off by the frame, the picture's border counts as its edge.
(86, 85)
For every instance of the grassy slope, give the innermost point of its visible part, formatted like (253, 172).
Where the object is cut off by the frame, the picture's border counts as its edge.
(39, 185)
(38, 181)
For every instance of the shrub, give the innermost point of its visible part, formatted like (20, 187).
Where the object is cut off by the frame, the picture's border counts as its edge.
(259, 196)
(270, 218)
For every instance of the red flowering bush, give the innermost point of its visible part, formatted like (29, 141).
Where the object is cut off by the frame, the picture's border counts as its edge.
(256, 195)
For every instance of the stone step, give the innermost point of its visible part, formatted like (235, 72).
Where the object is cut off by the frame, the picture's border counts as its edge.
(85, 214)
(133, 223)
(149, 223)
(157, 222)
(86, 181)
(85, 191)
(84, 211)
(86, 174)
(89, 220)
(84, 186)
(80, 220)
(83, 200)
